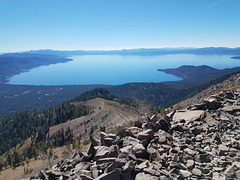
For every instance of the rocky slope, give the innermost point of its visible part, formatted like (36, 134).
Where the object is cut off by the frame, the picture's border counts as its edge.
(229, 84)
(201, 142)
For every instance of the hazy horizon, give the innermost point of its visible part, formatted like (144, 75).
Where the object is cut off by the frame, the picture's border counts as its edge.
(118, 49)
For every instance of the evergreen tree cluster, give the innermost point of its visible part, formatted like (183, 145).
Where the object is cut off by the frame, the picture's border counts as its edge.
(15, 129)
(62, 138)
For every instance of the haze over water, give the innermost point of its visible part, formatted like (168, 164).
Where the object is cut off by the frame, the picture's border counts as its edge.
(117, 69)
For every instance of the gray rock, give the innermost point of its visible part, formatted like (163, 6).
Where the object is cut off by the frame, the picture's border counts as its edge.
(164, 124)
(134, 131)
(139, 150)
(42, 175)
(154, 118)
(222, 149)
(185, 173)
(163, 178)
(124, 133)
(113, 151)
(128, 167)
(114, 175)
(231, 109)
(143, 165)
(196, 130)
(197, 172)
(106, 160)
(188, 116)
(212, 103)
(154, 154)
(116, 164)
(145, 135)
(189, 151)
(130, 141)
(162, 140)
(126, 149)
(230, 171)
(85, 177)
(137, 124)
(53, 174)
(108, 139)
(143, 176)
(237, 174)
(85, 172)
(202, 158)
(190, 164)
(82, 166)
(101, 152)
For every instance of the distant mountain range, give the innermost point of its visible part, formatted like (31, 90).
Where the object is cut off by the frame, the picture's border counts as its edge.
(147, 52)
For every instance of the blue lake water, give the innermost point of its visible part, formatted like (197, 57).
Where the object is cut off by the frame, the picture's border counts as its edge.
(116, 69)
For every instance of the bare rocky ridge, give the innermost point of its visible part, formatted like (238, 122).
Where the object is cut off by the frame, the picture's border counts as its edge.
(105, 113)
(201, 142)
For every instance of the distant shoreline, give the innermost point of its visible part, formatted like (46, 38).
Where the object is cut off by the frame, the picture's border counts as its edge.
(235, 57)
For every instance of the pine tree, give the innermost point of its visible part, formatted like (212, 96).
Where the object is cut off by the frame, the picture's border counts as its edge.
(16, 159)
(9, 160)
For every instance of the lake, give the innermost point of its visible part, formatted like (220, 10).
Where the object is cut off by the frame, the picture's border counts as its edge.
(116, 69)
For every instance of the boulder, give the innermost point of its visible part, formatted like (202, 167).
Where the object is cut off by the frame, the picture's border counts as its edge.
(145, 135)
(154, 154)
(139, 151)
(130, 141)
(164, 124)
(230, 171)
(114, 175)
(154, 118)
(137, 124)
(196, 130)
(85, 177)
(82, 166)
(188, 116)
(212, 103)
(108, 139)
(185, 173)
(101, 152)
(53, 174)
(190, 164)
(143, 176)
(106, 160)
(202, 158)
(119, 162)
(128, 167)
(222, 149)
(124, 133)
(231, 109)
(197, 172)
(134, 131)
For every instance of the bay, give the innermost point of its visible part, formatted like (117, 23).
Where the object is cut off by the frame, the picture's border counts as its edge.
(116, 69)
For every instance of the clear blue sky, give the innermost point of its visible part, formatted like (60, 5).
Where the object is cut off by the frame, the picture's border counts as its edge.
(117, 24)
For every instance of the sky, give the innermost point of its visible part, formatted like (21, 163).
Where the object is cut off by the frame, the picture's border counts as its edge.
(117, 24)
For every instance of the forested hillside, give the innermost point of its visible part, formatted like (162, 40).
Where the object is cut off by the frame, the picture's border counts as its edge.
(16, 129)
